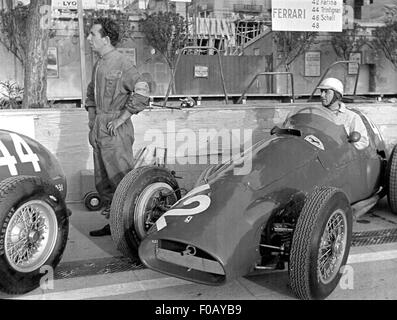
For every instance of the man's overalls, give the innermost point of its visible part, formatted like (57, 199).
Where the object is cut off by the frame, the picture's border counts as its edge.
(115, 86)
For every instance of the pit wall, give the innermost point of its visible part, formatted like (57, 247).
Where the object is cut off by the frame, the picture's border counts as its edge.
(189, 134)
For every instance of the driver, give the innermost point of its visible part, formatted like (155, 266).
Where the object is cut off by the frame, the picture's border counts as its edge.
(331, 95)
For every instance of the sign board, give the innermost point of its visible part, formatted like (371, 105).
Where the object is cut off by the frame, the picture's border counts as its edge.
(307, 15)
(200, 71)
(72, 5)
(312, 64)
(90, 4)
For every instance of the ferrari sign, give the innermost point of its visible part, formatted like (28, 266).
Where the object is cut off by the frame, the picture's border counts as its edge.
(307, 15)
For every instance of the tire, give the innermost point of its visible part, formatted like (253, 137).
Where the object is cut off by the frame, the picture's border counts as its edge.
(323, 206)
(391, 181)
(23, 196)
(93, 201)
(138, 189)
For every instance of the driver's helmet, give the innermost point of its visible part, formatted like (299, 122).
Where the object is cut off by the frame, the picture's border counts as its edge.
(332, 83)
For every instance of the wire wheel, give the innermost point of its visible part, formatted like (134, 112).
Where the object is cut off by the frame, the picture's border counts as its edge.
(320, 243)
(30, 236)
(154, 200)
(332, 247)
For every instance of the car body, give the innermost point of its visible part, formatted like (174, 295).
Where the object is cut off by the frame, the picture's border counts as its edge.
(33, 212)
(25, 156)
(233, 224)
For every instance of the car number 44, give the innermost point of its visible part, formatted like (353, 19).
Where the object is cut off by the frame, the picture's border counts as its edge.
(23, 151)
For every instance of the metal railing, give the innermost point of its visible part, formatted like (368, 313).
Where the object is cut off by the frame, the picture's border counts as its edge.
(329, 68)
(176, 65)
(291, 77)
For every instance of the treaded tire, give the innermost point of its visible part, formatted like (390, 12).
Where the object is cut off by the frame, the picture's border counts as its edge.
(391, 180)
(303, 265)
(14, 193)
(123, 212)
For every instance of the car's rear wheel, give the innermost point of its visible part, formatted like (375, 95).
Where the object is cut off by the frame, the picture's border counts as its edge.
(143, 195)
(34, 232)
(320, 244)
(391, 181)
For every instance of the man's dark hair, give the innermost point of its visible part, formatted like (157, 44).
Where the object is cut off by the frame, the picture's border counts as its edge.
(110, 29)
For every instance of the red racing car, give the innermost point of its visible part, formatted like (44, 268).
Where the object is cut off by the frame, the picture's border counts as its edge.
(294, 207)
(33, 213)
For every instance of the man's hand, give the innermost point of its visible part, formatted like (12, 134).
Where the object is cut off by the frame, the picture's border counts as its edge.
(113, 125)
(91, 117)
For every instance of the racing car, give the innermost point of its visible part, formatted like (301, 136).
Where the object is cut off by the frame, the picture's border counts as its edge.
(294, 207)
(34, 218)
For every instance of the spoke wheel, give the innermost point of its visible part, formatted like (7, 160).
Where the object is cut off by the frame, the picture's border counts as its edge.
(31, 236)
(35, 227)
(151, 204)
(320, 243)
(332, 247)
(141, 197)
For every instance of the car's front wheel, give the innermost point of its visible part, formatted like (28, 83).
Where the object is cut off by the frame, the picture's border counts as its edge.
(143, 195)
(320, 244)
(34, 230)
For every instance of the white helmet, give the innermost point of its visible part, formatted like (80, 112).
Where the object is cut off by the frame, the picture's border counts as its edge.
(332, 83)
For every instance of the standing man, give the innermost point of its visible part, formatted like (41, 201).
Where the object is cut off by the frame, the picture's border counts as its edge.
(331, 97)
(115, 93)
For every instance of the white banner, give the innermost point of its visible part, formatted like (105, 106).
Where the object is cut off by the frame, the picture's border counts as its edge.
(72, 5)
(307, 15)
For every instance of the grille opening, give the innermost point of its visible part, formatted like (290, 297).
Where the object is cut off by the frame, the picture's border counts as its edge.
(180, 247)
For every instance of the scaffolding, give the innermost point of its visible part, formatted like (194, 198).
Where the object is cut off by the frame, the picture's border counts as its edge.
(228, 36)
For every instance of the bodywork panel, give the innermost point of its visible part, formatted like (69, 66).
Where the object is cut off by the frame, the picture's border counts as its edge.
(21, 155)
(212, 235)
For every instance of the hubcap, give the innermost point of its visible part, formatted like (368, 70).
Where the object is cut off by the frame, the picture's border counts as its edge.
(154, 200)
(94, 202)
(332, 247)
(30, 236)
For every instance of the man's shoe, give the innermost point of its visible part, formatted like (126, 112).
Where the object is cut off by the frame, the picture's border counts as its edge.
(105, 231)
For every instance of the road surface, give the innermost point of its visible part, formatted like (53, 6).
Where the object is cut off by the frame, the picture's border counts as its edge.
(92, 268)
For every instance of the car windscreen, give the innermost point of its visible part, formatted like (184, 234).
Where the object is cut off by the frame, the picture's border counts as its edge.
(315, 117)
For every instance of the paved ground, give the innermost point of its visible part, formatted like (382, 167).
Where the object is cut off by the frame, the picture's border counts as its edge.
(92, 268)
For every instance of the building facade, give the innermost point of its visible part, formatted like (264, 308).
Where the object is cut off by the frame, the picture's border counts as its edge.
(235, 28)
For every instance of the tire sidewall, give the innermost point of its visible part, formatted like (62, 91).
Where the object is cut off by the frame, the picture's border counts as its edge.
(28, 189)
(149, 175)
(337, 201)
